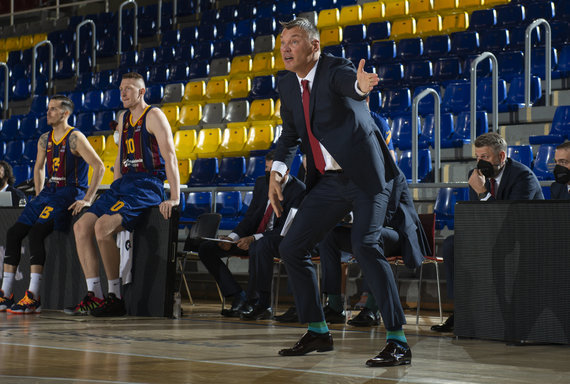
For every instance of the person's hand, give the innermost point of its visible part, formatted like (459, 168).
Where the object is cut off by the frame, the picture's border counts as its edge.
(366, 81)
(477, 181)
(166, 206)
(78, 206)
(245, 242)
(225, 246)
(275, 193)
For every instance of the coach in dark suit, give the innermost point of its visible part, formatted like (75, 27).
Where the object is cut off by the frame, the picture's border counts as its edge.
(560, 189)
(495, 178)
(256, 236)
(7, 180)
(349, 167)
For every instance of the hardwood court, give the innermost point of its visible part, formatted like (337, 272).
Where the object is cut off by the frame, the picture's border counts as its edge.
(203, 347)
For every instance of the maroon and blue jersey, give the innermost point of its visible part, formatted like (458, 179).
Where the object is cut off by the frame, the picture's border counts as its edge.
(64, 169)
(139, 148)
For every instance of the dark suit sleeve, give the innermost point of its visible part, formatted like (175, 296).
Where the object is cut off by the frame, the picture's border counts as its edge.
(248, 225)
(292, 196)
(17, 195)
(343, 79)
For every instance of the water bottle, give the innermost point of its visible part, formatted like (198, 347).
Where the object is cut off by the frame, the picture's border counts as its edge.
(177, 306)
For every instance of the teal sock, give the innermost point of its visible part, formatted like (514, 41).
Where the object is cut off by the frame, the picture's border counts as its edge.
(335, 302)
(319, 327)
(371, 303)
(397, 336)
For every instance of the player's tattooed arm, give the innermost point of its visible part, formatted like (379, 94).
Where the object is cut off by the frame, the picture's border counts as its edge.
(73, 141)
(43, 140)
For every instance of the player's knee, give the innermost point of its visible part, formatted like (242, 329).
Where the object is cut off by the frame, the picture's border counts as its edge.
(102, 228)
(81, 228)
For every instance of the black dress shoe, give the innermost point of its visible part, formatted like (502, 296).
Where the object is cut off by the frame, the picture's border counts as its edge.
(393, 354)
(334, 317)
(446, 326)
(290, 316)
(310, 341)
(236, 309)
(366, 318)
(257, 313)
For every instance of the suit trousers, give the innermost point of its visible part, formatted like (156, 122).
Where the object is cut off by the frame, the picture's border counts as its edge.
(333, 196)
(262, 254)
(448, 254)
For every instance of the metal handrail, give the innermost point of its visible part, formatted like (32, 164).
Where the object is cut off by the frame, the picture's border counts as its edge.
(93, 44)
(174, 11)
(159, 17)
(135, 25)
(495, 93)
(34, 59)
(527, 61)
(437, 112)
(6, 85)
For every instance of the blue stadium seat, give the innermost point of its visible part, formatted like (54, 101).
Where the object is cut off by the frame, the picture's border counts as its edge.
(227, 31)
(21, 90)
(22, 172)
(564, 61)
(228, 13)
(93, 101)
(464, 43)
(485, 96)
(378, 31)
(457, 97)
(154, 94)
(165, 55)
(382, 52)
(255, 168)
(335, 50)
(559, 130)
(538, 62)
(263, 87)
(494, 40)
(324, 4)
(178, 73)
(447, 69)
(305, 6)
(158, 74)
(43, 126)
(536, 10)
(111, 99)
(424, 164)
(517, 36)
(203, 50)
(171, 38)
(232, 171)
(14, 151)
(449, 139)
(375, 99)
(463, 127)
(228, 204)
(521, 153)
(437, 46)
(129, 59)
(204, 172)
(510, 14)
(265, 10)
(243, 45)
(10, 129)
(39, 105)
(29, 127)
(515, 96)
(246, 10)
(357, 51)
(197, 203)
(444, 207)
(390, 75)
(189, 35)
(84, 82)
(85, 122)
(265, 26)
(2, 149)
(396, 102)
(483, 19)
(207, 32)
(296, 165)
(353, 34)
(402, 133)
(418, 72)
(184, 54)
(222, 49)
(544, 162)
(147, 57)
(30, 152)
(198, 69)
(285, 10)
(560, 32)
(426, 105)
(103, 120)
(511, 64)
(410, 49)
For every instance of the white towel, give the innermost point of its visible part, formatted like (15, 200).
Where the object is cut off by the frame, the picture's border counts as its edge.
(125, 245)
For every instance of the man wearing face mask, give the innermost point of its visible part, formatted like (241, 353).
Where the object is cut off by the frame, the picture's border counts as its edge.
(258, 236)
(495, 178)
(560, 190)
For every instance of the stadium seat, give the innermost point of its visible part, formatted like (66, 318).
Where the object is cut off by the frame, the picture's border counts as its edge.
(447, 69)
(485, 96)
(204, 172)
(239, 88)
(199, 69)
(544, 162)
(209, 140)
(29, 127)
(331, 36)
(102, 80)
(538, 62)
(10, 129)
(396, 102)
(515, 96)
(93, 101)
(424, 164)
(220, 67)
(437, 46)
(373, 11)
(14, 151)
(426, 105)
(495, 40)
(260, 138)
(22, 172)
(197, 203)
(184, 170)
(444, 207)
(379, 30)
(216, 90)
(559, 129)
(111, 99)
(521, 153)
(358, 51)
(354, 34)
(228, 204)
(390, 75)
(402, 133)
(172, 113)
(464, 43)
(98, 143)
(403, 28)
(263, 64)
(255, 169)
(263, 87)
(184, 143)
(396, 9)
(237, 111)
(483, 19)
(233, 140)
(103, 120)
(243, 45)
(382, 52)
(511, 14)
(457, 97)
(173, 93)
(190, 115)
(241, 66)
(449, 139)
(223, 48)
(264, 43)
(154, 94)
(195, 92)
(213, 114)
(232, 171)
(85, 122)
(418, 72)
(203, 50)
(429, 25)
(350, 15)
(178, 72)
(463, 127)
(261, 109)
(335, 50)
(410, 49)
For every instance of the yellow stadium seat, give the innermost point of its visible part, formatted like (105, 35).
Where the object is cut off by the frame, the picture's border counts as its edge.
(466, 4)
(172, 112)
(26, 42)
(455, 22)
(108, 176)
(39, 37)
(277, 116)
(373, 12)
(328, 18)
(217, 90)
(98, 143)
(403, 28)
(279, 64)
(12, 44)
(239, 88)
(492, 3)
(418, 7)
(184, 143)
(111, 150)
(428, 25)
(190, 114)
(277, 47)
(184, 170)
(241, 66)
(350, 15)
(331, 36)
(209, 140)
(260, 136)
(263, 64)
(233, 140)
(396, 9)
(2, 44)
(195, 92)
(4, 56)
(444, 5)
(261, 109)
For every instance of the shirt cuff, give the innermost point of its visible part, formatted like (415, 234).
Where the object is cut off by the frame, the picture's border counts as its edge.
(486, 197)
(257, 236)
(360, 93)
(234, 236)
(280, 167)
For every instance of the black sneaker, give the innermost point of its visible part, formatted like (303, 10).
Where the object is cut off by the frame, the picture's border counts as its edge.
(112, 306)
(89, 303)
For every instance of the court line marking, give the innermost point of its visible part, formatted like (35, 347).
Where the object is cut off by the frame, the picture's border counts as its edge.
(67, 379)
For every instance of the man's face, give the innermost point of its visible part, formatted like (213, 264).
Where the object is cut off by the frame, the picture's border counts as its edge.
(562, 157)
(132, 92)
(488, 154)
(298, 52)
(55, 113)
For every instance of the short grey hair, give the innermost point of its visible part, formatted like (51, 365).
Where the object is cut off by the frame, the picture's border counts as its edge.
(304, 24)
(492, 140)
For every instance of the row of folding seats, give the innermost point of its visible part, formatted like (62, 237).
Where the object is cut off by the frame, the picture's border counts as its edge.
(232, 205)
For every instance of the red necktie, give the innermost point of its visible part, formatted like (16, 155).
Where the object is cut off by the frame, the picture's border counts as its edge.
(265, 220)
(315, 145)
(492, 182)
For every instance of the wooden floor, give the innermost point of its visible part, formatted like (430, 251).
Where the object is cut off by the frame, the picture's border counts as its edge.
(203, 347)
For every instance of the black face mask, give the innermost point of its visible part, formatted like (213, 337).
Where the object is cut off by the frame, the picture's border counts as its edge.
(561, 174)
(487, 169)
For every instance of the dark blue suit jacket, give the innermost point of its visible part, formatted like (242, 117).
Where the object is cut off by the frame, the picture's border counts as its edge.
(293, 194)
(340, 120)
(17, 195)
(559, 191)
(517, 183)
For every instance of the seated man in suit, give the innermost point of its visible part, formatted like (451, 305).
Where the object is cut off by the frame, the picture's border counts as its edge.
(560, 190)
(7, 180)
(495, 178)
(402, 234)
(258, 236)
